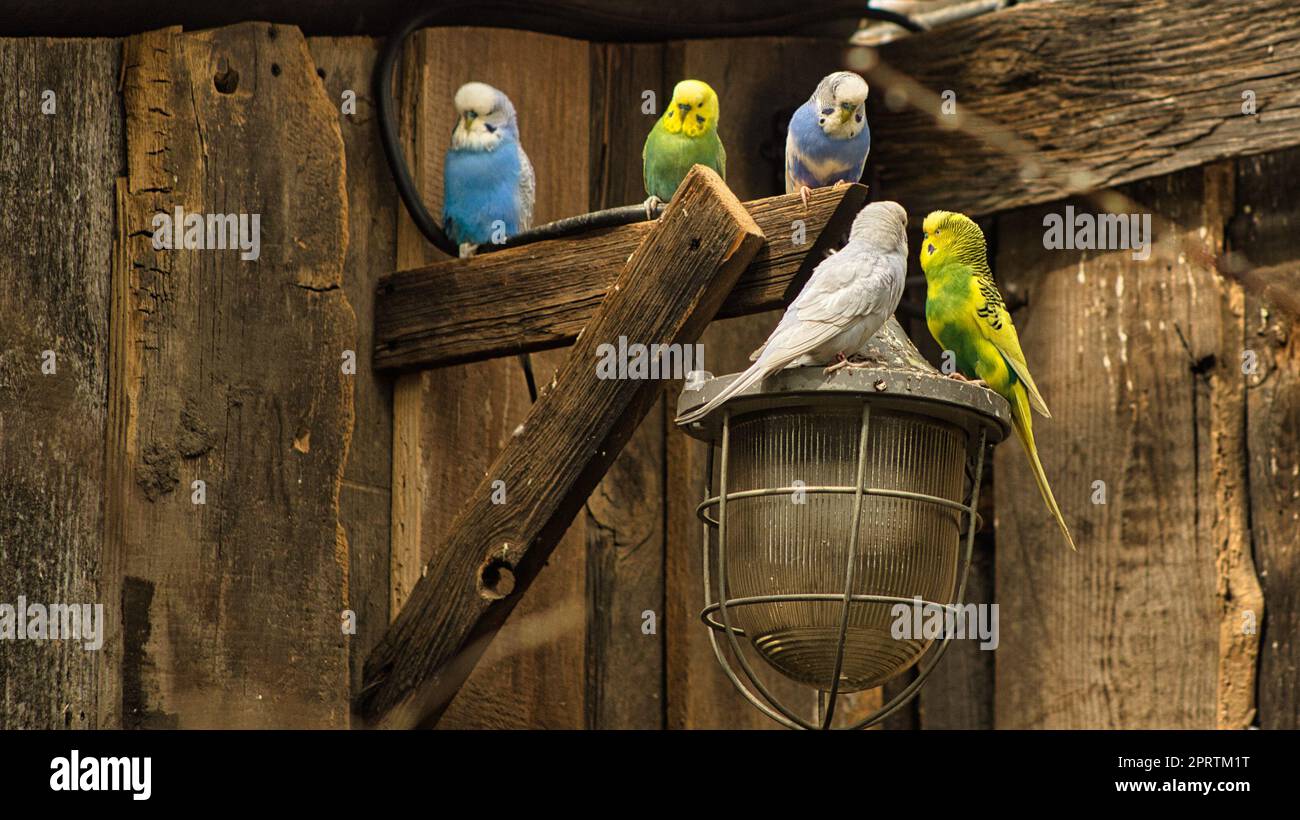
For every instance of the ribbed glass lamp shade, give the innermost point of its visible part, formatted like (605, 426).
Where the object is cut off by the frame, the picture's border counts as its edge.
(799, 543)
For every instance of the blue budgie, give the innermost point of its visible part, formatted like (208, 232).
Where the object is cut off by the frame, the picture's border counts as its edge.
(488, 188)
(849, 296)
(828, 140)
(488, 184)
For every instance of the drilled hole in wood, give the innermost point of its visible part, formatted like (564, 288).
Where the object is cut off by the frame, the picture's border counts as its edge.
(226, 79)
(496, 580)
(275, 69)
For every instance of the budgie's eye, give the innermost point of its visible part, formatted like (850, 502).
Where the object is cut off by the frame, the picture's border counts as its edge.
(492, 129)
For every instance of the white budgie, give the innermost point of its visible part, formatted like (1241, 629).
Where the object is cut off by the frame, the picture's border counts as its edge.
(846, 300)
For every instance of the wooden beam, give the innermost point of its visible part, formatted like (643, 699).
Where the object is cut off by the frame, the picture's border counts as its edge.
(54, 373)
(229, 371)
(364, 496)
(540, 296)
(668, 291)
(616, 21)
(1045, 107)
(1267, 227)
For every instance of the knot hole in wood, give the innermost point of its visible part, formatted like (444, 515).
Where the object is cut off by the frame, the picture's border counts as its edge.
(496, 579)
(226, 79)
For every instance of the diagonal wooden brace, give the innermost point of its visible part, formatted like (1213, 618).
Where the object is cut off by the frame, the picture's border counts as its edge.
(667, 293)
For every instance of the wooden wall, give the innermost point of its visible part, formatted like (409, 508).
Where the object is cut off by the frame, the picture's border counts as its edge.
(54, 296)
(327, 491)
(1265, 225)
(1176, 387)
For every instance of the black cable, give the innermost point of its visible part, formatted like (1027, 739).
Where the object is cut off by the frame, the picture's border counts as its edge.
(486, 13)
(608, 218)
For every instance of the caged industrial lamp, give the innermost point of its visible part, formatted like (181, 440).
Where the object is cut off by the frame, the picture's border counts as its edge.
(839, 496)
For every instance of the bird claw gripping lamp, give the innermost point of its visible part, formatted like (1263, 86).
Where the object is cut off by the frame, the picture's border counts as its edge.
(839, 496)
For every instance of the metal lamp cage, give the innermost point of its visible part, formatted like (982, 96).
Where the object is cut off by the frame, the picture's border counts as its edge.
(900, 454)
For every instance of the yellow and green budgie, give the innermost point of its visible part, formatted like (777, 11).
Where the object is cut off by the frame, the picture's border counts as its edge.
(966, 315)
(686, 135)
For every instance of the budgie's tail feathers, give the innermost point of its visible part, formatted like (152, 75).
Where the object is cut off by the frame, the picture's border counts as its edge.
(794, 340)
(1020, 420)
(1018, 365)
(790, 348)
(756, 373)
(759, 370)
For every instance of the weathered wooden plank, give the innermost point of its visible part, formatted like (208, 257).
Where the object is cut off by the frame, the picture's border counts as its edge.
(345, 65)
(1266, 227)
(228, 371)
(623, 521)
(541, 295)
(1048, 108)
(616, 20)
(1225, 509)
(624, 517)
(451, 425)
(410, 393)
(669, 290)
(959, 692)
(760, 81)
(57, 174)
(1140, 364)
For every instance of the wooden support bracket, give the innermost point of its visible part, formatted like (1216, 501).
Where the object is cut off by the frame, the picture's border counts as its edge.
(540, 296)
(668, 291)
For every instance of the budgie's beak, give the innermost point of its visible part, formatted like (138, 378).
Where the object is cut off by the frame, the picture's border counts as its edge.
(467, 120)
(845, 113)
(689, 126)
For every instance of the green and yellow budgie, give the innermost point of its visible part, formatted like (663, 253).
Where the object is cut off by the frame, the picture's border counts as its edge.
(686, 135)
(966, 315)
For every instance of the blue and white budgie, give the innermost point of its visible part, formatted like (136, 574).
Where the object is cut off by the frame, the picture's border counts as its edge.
(488, 188)
(828, 140)
(488, 184)
(849, 296)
